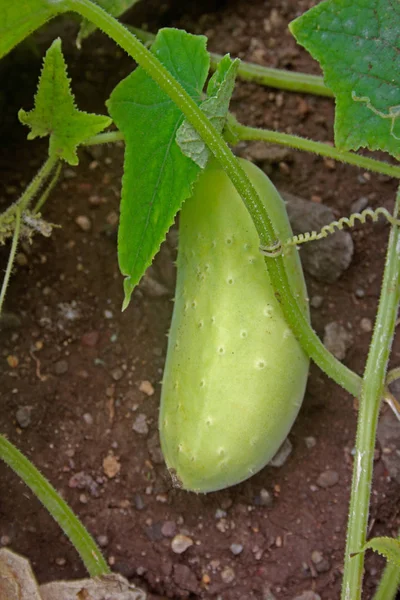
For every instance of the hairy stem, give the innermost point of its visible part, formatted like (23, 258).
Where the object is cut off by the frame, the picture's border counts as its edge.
(294, 141)
(57, 507)
(371, 395)
(276, 78)
(293, 314)
(11, 258)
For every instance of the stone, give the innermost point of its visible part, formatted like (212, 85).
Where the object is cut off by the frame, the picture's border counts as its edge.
(140, 424)
(184, 577)
(181, 543)
(61, 367)
(325, 259)
(282, 455)
(328, 479)
(236, 549)
(337, 339)
(228, 575)
(23, 416)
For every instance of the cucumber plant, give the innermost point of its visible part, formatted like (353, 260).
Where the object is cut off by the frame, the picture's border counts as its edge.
(357, 46)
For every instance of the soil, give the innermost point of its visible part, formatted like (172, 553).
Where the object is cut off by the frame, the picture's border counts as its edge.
(84, 373)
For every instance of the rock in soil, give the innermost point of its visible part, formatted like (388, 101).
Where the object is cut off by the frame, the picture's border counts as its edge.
(388, 435)
(325, 259)
(328, 479)
(282, 455)
(337, 339)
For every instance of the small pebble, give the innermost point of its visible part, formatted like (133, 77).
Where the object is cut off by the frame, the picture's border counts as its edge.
(108, 314)
(87, 417)
(220, 514)
(359, 204)
(61, 367)
(310, 441)
(181, 543)
(282, 455)
(337, 339)
(61, 561)
(168, 529)
(236, 549)
(117, 373)
(146, 387)
(316, 557)
(138, 501)
(264, 498)
(308, 595)
(5, 540)
(366, 325)
(360, 293)
(83, 223)
(102, 541)
(140, 424)
(23, 416)
(227, 575)
(316, 301)
(111, 466)
(328, 479)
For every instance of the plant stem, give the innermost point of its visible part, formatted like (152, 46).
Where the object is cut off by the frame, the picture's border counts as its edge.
(371, 394)
(7, 218)
(105, 138)
(276, 78)
(294, 141)
(57, 507)
(11, 258)
(48, 189)
(389, 584)
(293, 314)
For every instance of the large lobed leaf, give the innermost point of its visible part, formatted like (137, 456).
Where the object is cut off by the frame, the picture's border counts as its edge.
(55, 113)
(157, 176)
(357, 43)
(20, 19)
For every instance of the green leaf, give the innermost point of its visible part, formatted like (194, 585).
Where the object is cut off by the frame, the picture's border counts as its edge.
(20, 19)
(216, 106)
(55, 113)
(357, 43)
(114, 7)
(387, 547)
(157, 176)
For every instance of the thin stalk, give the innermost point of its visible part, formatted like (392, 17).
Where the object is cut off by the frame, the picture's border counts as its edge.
(294, 141)
(389, 584)
(371, 394)
(276, 78)
(293, 314)
(109, 137)
(11, 258)
(279, 78)
(48, 189)
(57, 507)
(8, 216)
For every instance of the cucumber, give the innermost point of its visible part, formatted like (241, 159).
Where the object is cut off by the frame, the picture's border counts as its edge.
(235, 375)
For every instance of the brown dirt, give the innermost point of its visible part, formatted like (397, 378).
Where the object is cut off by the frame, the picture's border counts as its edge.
(81, 362)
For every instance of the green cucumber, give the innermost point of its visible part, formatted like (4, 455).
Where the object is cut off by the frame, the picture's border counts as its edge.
(235, 375)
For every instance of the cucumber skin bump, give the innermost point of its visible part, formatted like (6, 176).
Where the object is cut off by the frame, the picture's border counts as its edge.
(235, 375)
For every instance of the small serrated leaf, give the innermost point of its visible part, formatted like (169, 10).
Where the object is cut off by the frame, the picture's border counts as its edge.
(216, 107)
(387, 547)
(114, 7)
(19, 19)
(55, 113)
(157, 176)
(357, 43)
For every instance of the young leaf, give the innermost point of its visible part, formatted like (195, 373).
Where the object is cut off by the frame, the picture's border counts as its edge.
(387, 547)
(357, 43)
(55, 113)
(20, 19)
(216, 106)
(114, 7)
(157, 176)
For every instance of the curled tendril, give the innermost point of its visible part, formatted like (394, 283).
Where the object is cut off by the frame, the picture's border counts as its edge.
(277, 248)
